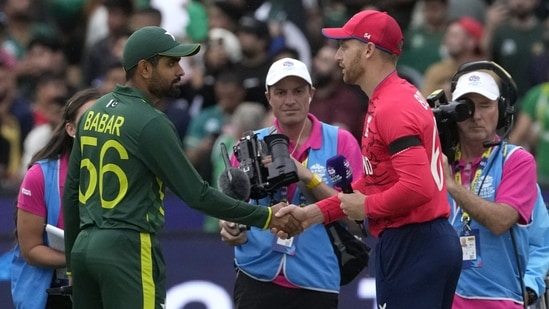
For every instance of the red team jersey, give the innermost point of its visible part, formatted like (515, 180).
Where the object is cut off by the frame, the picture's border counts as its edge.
(403, 173)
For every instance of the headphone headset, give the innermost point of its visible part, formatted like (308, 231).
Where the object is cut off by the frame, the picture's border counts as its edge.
(507, 89)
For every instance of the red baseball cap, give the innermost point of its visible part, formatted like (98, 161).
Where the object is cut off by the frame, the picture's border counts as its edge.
(370, 26)
(472, 26)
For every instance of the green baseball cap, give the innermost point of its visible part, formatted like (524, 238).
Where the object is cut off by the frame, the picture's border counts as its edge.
(150, 41)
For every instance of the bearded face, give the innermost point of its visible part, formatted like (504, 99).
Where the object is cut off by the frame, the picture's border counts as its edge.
(163, 87)
(353, 69)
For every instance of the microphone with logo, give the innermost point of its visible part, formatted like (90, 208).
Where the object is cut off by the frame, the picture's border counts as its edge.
(234, 182)
(339, 171)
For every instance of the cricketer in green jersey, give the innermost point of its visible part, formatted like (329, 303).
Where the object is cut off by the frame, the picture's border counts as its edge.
(125, 154)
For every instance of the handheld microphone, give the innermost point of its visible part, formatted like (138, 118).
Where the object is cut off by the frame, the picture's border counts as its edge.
(339, 171)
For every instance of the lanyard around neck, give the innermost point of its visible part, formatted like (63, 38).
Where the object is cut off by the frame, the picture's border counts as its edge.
(457, 174)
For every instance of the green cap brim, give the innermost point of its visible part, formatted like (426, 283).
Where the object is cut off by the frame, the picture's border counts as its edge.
(182, 50)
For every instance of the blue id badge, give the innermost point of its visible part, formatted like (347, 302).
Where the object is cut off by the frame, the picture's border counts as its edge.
(286, 246)
(470, 245)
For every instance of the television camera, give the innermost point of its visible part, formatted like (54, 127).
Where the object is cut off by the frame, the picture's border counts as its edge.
(264, 180)
(447, 115)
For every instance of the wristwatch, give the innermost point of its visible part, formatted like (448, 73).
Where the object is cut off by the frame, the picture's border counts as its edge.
(532, 296)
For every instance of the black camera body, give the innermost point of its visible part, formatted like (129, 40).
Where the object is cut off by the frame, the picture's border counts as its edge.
(447, 115)
(264, 180)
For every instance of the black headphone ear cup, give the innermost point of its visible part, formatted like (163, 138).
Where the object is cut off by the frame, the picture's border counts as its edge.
(504, 112)
(501, 112)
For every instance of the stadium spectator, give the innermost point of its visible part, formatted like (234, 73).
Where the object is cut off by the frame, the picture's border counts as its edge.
(51, 94)
(513, 35)
(462, 44)
(208, 125)
(101, 54)
(336, 102)
(254, 40)
(424, 41)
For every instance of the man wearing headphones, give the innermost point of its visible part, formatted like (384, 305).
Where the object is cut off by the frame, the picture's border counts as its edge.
(492, 191)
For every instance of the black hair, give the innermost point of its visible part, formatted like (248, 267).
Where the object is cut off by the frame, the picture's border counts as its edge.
(234, 12)
(286, 50)
(61, 143)
(250, 24)
(116, 64)
(50, 42)
(49, 77)
(230, 77)
(153, 60)
(126, 6)
(149, 10)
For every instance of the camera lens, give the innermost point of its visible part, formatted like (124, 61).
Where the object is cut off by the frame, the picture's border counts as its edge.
(464, 109)
(282, 170)
(278, 146)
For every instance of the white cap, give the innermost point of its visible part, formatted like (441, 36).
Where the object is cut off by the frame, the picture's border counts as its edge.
(476, 82)
(230, 42)
(287, 67)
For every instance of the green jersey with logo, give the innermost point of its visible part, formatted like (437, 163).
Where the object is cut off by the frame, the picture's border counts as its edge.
(125, 154)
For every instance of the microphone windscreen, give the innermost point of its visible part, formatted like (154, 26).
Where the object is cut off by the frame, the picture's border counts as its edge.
(339, 171)
(235, 183)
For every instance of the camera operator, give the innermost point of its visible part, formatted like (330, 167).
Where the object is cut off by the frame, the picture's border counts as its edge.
(492, 189)
(301, 272)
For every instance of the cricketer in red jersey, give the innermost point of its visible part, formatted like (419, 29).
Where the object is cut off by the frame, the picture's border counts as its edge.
(403, 177)
(402, 192)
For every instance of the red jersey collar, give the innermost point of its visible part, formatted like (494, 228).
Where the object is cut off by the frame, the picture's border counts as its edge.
(388, 80)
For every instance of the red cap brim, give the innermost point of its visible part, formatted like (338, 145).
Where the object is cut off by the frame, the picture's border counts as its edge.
(336, 33)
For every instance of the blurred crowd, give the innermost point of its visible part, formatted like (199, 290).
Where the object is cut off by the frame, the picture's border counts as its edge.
(52, 48)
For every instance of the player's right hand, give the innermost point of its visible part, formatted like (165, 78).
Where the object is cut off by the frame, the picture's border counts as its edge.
(286, 223)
